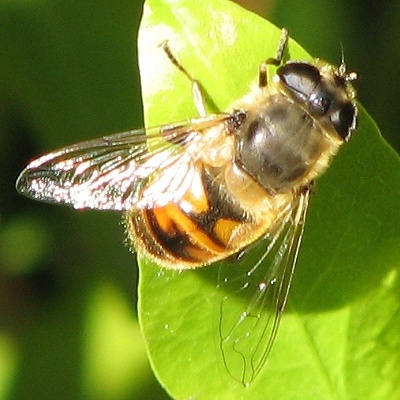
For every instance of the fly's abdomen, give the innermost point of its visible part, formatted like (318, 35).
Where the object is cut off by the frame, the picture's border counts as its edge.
(206, 225)
(183, 238)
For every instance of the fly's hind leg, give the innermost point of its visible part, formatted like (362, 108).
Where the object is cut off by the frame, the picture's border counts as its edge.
(197, 89)
(262, 74)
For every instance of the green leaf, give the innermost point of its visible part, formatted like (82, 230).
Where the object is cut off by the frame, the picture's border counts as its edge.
(340, 334)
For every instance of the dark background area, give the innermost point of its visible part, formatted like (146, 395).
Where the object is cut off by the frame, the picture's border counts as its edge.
(68, 72)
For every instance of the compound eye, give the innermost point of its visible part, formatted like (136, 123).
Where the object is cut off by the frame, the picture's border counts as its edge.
(318, 104)
(300, 79)
(344, 120)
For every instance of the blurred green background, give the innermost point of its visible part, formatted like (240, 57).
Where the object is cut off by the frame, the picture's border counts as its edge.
(68, 72)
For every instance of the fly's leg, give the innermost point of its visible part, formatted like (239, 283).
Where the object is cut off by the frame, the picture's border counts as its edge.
(197, 90)
(262, 74)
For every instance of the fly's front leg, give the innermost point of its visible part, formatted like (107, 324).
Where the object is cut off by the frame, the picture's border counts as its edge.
(262, 74)
(197, 91)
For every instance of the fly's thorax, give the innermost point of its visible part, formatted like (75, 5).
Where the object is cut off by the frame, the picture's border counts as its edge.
(244, 188)
(282, 146)
(296, 124)
(217, 147)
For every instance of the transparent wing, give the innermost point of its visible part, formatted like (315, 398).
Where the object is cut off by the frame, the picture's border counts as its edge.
(247, 333)
(142, 168)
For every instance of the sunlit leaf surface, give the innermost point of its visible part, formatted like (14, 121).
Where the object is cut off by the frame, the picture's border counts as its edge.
(340, 335)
